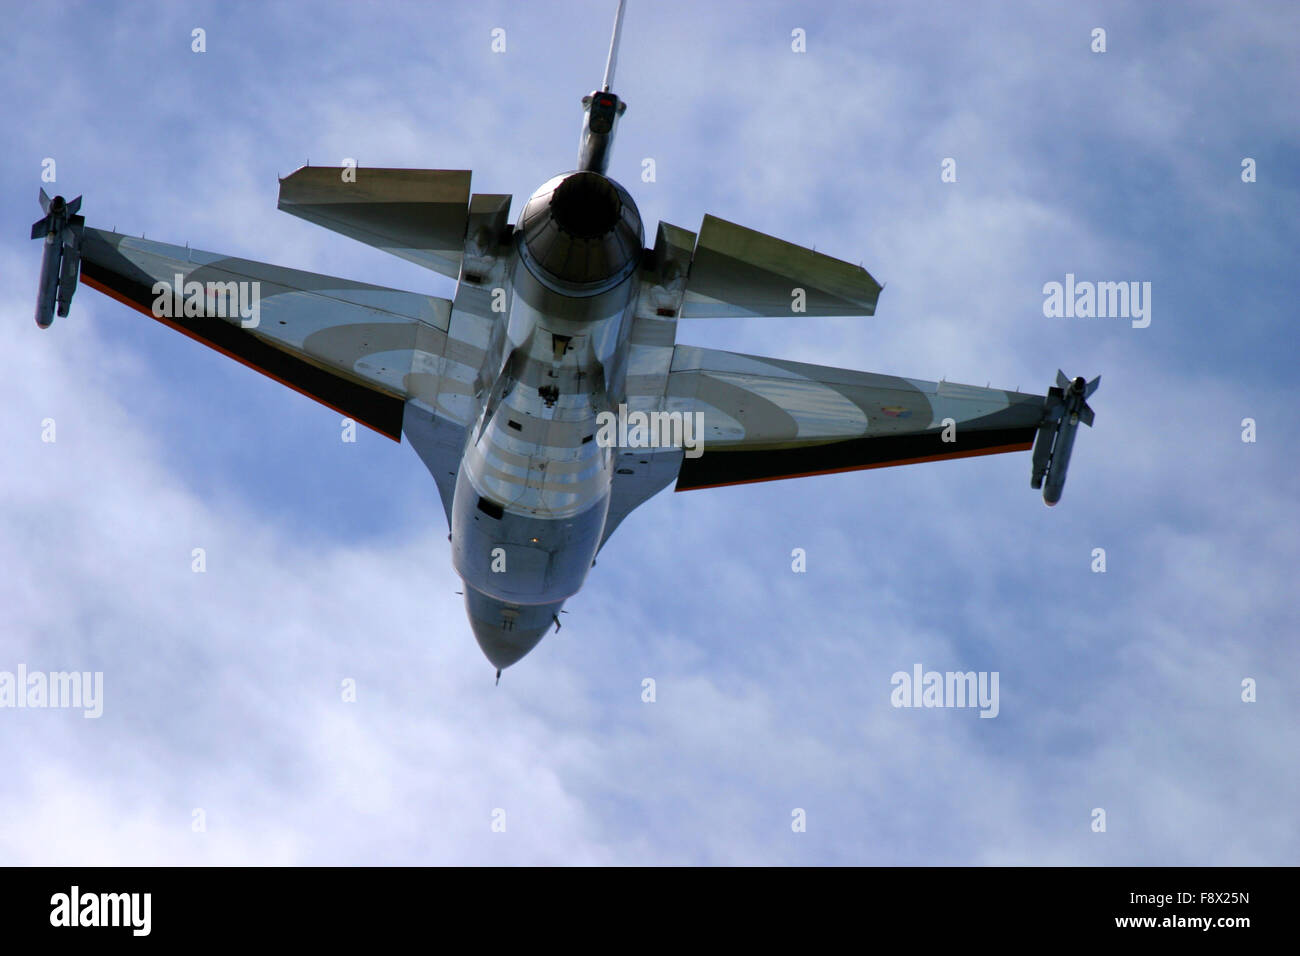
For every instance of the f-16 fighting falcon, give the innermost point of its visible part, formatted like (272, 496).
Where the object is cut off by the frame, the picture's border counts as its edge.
(549, 398)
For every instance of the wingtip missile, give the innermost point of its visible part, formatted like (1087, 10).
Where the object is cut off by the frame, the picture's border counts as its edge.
(61, 228)
(1064, 408)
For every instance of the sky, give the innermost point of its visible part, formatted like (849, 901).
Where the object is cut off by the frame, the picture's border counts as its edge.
(225, 736)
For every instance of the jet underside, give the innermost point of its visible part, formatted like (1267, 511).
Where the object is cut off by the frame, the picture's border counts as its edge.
(560, 322)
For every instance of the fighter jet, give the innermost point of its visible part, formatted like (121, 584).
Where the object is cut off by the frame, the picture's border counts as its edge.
(550, 397)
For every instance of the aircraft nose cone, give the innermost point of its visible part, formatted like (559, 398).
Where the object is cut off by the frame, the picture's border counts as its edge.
(506, 632)
(504, 647)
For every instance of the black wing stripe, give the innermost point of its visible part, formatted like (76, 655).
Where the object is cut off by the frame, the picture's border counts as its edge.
(106, 270)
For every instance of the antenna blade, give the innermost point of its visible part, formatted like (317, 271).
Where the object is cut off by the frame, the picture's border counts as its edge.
(613, 46)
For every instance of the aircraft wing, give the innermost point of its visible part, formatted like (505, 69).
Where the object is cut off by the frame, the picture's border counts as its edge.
(768, 418)
(362, 350)
(417, 214)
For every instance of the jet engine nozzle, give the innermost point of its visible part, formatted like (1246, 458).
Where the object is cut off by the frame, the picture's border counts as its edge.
(581, 234)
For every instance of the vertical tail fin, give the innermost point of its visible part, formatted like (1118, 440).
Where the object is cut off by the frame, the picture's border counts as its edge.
(602, 110)
(613, 46)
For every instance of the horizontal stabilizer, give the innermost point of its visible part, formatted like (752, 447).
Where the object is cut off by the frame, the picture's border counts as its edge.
(739, 272)
(416, 214)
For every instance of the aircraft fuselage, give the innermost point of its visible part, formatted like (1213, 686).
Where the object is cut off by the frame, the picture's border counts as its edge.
(533, 490)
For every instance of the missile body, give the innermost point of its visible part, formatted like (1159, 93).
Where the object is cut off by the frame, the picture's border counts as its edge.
(61, 259)
(1066, 406)
(1061, 450)
(50, 268)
